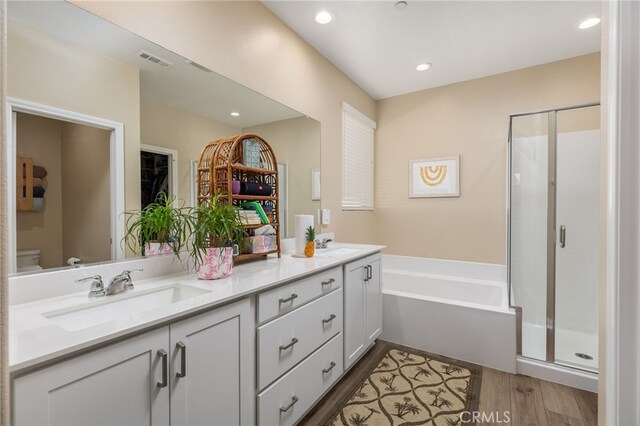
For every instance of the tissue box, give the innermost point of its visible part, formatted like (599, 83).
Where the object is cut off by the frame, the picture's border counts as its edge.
(260, 244)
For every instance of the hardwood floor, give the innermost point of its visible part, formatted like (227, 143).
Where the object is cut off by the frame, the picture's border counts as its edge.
(527, 401)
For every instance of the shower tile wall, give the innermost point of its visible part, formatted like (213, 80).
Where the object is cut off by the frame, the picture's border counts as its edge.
(577, 207)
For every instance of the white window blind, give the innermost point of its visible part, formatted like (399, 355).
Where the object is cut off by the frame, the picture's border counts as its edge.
(357, 159)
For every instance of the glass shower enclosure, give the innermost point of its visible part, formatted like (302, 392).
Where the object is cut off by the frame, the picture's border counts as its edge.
(554, 226)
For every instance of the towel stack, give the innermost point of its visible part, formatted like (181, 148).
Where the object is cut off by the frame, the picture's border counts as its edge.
(39, 187)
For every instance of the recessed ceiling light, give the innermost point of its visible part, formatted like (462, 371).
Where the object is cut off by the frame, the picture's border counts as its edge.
(235, 114)
(588, 23)
(423, 67)
(324, 17)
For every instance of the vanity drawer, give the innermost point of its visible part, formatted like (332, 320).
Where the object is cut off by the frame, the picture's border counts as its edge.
(304, 385)
(288, 297)
(284, 342)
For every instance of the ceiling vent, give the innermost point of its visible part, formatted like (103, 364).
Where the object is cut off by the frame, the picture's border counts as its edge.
(197, 65)
(152, 58)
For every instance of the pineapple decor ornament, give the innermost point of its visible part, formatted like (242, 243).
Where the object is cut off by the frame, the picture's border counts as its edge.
(310, 247)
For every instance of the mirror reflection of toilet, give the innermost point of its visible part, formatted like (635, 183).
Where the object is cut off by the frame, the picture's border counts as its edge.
(29, 260)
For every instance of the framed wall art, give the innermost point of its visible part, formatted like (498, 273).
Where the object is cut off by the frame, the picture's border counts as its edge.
(435, 177)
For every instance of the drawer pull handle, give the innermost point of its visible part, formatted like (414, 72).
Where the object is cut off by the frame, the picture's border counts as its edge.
(331, 318)
(165, 368)
(328, 282)
(329, 368)
(289, 299)
(294, 399)
(183, 359)
(293, 342)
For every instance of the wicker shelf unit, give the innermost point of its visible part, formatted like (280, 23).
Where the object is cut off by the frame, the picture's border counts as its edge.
(221, 163)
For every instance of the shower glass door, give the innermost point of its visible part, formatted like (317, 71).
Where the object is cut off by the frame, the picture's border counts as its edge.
(528, 228)
(554, 227)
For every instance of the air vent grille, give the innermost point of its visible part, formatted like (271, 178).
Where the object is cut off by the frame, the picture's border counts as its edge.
(197, 65)
(152, 58)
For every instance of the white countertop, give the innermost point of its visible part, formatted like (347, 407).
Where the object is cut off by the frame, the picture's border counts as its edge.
(34, 339)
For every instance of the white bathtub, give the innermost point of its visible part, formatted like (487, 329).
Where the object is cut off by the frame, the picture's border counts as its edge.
(455, 309)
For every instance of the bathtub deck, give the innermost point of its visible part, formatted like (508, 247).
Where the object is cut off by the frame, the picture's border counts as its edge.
(529, 401)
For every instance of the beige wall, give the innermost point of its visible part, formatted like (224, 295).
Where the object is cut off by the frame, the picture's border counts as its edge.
(39, 138)
(469, 119)
(296, 143)
(86, 200)
(48, 71)
(173, 128)
(245, 42)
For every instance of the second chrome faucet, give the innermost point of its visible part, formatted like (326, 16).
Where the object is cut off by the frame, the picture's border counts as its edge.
(121, 283)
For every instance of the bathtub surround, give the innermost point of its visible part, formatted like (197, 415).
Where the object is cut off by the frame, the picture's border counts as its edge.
(471, 119)
(461, 308)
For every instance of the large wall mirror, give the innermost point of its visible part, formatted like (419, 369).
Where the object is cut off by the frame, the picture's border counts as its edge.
(103, 120)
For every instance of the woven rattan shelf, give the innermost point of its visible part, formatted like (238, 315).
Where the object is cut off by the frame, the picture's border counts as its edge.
(221, 163)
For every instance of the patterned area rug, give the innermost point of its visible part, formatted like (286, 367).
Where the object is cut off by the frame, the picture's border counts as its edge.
(411, 387)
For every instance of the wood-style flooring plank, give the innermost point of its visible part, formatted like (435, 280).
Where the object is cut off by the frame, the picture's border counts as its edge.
(559, 399)
(556, 419)
(588, 405)
(495, 396)
(527, 406)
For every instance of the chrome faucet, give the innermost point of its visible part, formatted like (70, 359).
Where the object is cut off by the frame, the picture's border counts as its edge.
(323, 244)
(121, 283)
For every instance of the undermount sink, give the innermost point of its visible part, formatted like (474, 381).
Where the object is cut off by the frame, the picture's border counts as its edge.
(337, 251)
(110, 308)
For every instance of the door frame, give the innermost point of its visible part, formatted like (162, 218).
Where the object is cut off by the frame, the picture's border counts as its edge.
(173, 164)
(116, 166)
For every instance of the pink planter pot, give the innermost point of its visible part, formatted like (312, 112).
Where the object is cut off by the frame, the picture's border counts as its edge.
(156, 249)
(217, 263)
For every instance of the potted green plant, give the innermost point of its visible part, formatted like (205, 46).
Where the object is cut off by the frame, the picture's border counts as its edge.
(162, 227)
(216, 228)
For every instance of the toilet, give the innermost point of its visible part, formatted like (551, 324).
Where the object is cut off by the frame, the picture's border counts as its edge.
(29, 260)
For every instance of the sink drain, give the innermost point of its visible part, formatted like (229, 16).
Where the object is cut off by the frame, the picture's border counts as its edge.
(583, 356)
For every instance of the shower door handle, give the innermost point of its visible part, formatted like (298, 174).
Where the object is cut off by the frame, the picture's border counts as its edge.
(563, 236)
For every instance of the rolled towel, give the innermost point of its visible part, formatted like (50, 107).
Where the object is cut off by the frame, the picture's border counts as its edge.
(41, 182)
(39, 172)
(38, 192)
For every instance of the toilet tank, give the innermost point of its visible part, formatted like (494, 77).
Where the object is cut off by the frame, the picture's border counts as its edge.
(28, 260)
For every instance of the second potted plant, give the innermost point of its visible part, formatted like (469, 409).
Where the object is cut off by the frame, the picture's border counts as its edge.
(162, 227)
(216, 228)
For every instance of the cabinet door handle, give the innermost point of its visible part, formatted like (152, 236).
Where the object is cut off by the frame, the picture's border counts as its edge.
(331, 318)
(370, 269)
(294, 399)
(288, 299)
(165, 368)
(183, 359)
(329, 368)
(293, 342)
(366, 273)
(328, 282)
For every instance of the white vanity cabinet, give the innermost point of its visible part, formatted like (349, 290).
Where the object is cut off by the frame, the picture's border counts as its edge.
(211, 368)
(121, 384)
(362, 306)
(195, 371)
(300, 352)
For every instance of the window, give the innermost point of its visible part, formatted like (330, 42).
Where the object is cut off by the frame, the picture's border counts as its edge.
(357, 159)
